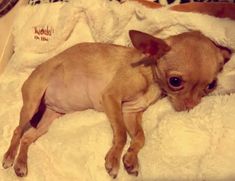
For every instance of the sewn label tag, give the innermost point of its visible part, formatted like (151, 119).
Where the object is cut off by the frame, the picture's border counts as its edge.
(43, 33)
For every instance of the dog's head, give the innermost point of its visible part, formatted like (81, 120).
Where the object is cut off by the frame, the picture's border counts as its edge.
(189, 70)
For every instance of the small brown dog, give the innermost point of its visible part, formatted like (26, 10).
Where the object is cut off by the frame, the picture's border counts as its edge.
(120, 81)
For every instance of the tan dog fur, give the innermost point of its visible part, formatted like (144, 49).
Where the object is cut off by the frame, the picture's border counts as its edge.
(101, 76)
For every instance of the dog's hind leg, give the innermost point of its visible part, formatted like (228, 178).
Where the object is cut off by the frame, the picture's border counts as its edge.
(29, 137)
(32, 92)
(30, 107)
(31, 104)
(26, 114)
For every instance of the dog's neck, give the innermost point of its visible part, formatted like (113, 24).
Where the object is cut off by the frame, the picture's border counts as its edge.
(148, 67)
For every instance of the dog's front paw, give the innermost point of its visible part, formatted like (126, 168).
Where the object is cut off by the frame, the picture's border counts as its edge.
(130, 161)
(20, 168)
(8, 160)
(112, 163)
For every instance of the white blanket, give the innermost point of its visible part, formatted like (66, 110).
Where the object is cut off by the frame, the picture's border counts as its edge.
(195, 145)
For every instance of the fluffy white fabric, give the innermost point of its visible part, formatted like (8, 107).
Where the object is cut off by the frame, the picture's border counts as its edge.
(195, 145)
(43, 29)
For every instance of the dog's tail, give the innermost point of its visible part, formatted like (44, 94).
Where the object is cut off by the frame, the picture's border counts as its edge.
(34, 88)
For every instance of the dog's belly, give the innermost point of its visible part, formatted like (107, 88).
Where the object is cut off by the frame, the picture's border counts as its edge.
(75, 93)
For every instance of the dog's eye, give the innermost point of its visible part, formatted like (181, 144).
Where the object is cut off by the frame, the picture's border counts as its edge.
(212, 85)
(176, 83)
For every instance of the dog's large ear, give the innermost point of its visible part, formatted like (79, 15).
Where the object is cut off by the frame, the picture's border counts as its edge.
(226, 53)
(148, 44)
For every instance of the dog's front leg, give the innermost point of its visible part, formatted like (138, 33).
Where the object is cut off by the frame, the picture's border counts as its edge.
(133, 125)
(112, 106)
(152, 94)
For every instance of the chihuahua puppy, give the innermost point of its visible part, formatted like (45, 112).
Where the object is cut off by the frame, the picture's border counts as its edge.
(120, 81)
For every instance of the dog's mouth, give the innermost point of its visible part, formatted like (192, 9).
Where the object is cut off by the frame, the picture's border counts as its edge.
(185, 104)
